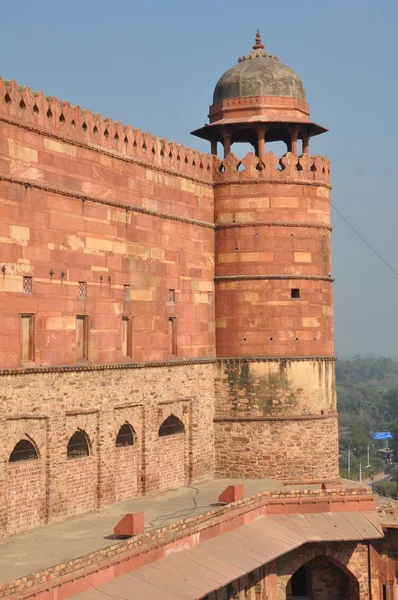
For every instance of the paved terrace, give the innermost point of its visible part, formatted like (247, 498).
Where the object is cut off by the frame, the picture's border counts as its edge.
(51, 545)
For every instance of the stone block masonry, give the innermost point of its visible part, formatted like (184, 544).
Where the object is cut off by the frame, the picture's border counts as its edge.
(49, 408)
(130, 266)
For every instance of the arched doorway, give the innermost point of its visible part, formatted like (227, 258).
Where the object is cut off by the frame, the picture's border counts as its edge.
(322, 579)
(172, 455)
(26, 490)
(81, 472)
(127, 463)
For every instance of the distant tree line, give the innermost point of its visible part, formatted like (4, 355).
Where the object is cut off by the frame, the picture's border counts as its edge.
(367, 401)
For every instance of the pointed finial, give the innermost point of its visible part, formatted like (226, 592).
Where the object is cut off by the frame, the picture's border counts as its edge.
(258, 44)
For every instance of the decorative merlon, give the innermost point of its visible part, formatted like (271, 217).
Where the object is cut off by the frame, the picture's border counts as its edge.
(29, 109)
(271, 168)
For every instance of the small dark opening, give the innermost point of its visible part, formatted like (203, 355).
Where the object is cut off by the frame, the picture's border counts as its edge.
(384, 592)
(125, 436)
(300, 583)
(171, 426)
(295, 293)
(77, 446)
(24, 450)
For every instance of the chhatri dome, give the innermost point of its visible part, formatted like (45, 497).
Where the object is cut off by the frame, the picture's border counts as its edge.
(258, 101)
(258, 74)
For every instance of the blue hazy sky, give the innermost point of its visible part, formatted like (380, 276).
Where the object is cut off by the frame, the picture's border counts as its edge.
(153, 65)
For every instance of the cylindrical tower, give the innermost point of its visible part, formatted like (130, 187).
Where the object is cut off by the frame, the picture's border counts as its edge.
(275, 401)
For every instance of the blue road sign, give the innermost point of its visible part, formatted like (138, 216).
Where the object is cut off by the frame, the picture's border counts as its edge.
(382, 435)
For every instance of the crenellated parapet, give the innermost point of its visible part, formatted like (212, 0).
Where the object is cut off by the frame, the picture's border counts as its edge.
(21, 106)
(271, 168)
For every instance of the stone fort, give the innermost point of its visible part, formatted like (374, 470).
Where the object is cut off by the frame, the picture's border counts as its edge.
(166, 315)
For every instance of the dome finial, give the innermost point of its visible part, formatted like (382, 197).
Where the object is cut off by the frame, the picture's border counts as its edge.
(258, 45)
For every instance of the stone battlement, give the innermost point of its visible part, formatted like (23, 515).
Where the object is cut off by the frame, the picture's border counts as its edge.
(48, 115)
(288, 168)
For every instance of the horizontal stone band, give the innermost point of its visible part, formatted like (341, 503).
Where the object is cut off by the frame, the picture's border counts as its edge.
(333, 415)
(86, 198)
(155, 364)
(274, 358)
(273, 224)
(259, 277)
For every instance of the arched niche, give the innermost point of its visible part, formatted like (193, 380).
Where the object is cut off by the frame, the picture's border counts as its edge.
(126, 436)
(23, 450)
(78, 446)
(171, 426)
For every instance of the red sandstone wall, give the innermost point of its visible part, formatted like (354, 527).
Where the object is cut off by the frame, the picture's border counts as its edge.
(273, 235)
(26, 495)
(81, 485)
(172, 461)
(109, 210)
(127, 473)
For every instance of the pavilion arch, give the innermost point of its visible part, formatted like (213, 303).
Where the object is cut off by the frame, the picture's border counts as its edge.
(78, 445)
(126, 436)
(328, 576)
(171, 426)
(25, 449)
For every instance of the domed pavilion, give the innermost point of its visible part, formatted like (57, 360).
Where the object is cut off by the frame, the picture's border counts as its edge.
(259, 100)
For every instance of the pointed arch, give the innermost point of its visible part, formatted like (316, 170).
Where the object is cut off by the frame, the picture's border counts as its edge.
(126, 436)
(326, 574)
(78, 445)
(171, 426)
(25, 449)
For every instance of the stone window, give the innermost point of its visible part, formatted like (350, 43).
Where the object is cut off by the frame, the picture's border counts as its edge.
(78, 446)
(125, 437)
(172, 337)
(171, 426)
(126, 293)
(126, 337)
(27, 342)
(81, 337)
(295, 293)
(172, 296)
(82, 289)
(24, 450)
(28, 285)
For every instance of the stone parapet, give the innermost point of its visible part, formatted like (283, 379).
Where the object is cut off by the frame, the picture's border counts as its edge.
(45, 114)
(80, 574)
(289, 168)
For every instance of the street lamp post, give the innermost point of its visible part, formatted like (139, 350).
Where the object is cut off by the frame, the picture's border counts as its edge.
(349, 462)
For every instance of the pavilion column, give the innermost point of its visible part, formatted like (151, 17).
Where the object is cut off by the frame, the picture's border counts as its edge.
(306, 143)
(261, 142)
(227, 144)
(294, 136)
(213, 147)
